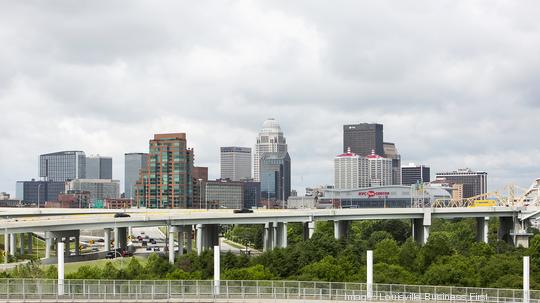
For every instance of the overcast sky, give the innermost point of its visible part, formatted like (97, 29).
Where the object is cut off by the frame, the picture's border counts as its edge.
(455, 83)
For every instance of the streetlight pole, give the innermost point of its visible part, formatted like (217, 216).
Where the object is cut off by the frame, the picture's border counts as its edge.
(38, 190)
(200, 193)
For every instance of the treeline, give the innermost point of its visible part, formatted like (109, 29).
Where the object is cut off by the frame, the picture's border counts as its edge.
(452, 256)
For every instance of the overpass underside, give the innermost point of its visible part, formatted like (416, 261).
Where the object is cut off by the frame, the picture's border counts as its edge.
(202, 228)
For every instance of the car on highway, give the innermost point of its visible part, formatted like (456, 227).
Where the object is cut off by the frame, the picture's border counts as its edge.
(148, 248)
(121, 215)
(243, 211)
(156, 248)
(153, 241)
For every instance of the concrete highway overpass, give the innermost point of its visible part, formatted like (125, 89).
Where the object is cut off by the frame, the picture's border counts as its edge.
(65, 224)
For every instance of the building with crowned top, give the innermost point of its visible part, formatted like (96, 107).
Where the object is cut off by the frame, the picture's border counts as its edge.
(269, 140)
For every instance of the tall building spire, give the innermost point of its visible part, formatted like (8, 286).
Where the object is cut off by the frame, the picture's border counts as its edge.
(270, 139)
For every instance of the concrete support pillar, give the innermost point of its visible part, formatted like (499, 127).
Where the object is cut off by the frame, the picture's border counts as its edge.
(482, 229)
(12, 244)
(217, 269)
(171, 245)
(107, 238)
(417, 231)
(526, 280)
(66, 246)
(21, 244)
(130, 231)
(180, 240)
(341, 229)
(274, 235)
(421, 227)
(189, 238)
(60, 259)
(309, 230)
(116, 235)
(199, 239)
(29, 243)
(505, 229)
(369, 274)
(6, 246)
(122, 238)
(48, 244)
(281, 235)
(77, 245)
(268, 241)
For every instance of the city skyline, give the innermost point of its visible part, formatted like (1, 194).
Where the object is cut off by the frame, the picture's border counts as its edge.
(450, 94)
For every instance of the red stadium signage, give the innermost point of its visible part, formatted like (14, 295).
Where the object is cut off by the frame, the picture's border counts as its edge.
(371, 193)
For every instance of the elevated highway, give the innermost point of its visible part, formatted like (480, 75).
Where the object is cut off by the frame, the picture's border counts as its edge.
(202, 225)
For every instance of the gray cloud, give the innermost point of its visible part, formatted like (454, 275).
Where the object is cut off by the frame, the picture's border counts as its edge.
(455, 83)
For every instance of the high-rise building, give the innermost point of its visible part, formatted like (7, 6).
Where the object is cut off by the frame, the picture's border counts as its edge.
(42, 191)
(474, 182)
(99, 189)
(270, 140)
(133, 163)
(363, 138)
(62, 166)
(380, 170)
(275, 172)
(391, 152)
(98, 167)
(412, 174)
(351, 171)
(167, 182)
(223, 193)
(235, 163)
(199, 176)
(252, 193)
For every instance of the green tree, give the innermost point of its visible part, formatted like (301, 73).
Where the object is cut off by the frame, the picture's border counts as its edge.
(87, 272)
(135, 270)
(377, 237)
(408, 255)
(392, 274)
(256, 272)
(328, 269)
(438, 245)
(454, 270)
(387, 251)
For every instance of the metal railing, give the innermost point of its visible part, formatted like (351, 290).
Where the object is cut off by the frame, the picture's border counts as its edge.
(30, 290)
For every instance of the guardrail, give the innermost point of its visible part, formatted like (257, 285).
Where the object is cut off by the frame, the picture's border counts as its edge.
(42, 290)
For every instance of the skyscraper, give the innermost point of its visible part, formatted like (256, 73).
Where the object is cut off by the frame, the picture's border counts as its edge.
(380, 170)
(270, 139)
(363, 138)
(411, 174)
(351, 171)
(391, 152)
(98, 167)
(474, 182)
(275, 172)
(166, 182)
(39, 191)
(62, 166)
(235, 163)
(133, 163)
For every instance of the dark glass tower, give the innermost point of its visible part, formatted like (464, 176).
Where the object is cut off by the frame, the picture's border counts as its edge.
(275, 176)
(363, 138)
